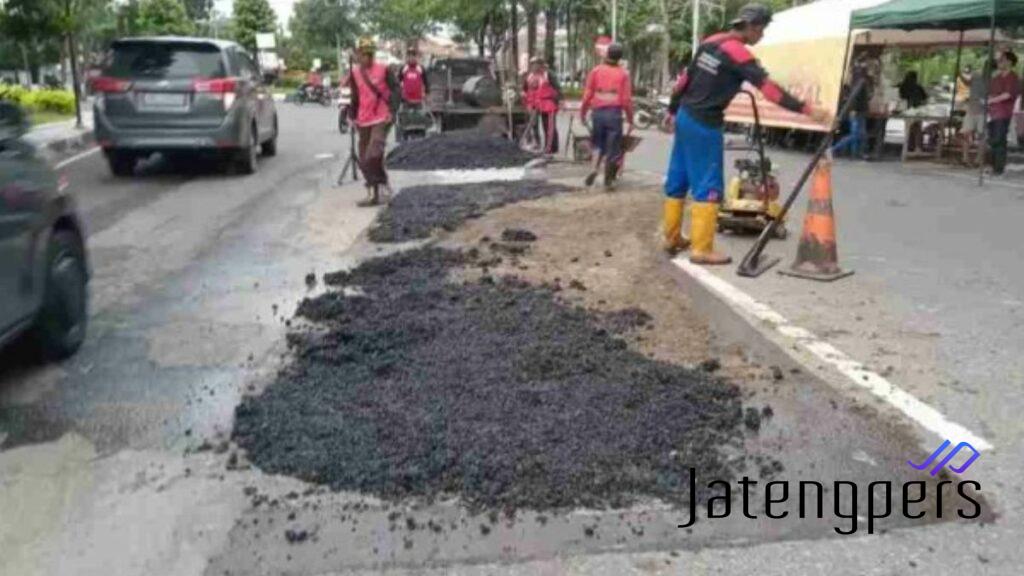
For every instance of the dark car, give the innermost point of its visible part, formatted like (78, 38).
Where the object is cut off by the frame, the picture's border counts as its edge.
(43, 269)
(181, 96)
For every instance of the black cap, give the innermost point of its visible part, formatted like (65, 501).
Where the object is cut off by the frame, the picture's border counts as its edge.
(614, 52)
(756, 14)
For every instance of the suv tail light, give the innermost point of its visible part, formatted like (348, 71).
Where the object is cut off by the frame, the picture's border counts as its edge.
(222, 89)
(106, 84)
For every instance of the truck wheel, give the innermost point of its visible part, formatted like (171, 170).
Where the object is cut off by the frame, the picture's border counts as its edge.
(60, 325)
(122, 164)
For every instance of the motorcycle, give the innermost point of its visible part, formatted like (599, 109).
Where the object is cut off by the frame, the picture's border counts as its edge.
(651, 112)
(315, 94)
(344, 102)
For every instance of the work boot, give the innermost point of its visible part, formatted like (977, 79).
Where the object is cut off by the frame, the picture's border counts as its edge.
(611, 171)
(372, 198)
(703, 224)
(674, 241)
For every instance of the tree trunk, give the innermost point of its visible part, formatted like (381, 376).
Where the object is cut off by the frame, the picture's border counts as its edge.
(666, 44)
(550, 28)
(514, 31)
(76, 84)
(531, 29)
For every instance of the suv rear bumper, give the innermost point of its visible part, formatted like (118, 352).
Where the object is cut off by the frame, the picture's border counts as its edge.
(233, 133)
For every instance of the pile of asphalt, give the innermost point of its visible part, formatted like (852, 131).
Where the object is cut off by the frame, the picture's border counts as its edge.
(423, 376)
(461, 150)
(417, 211)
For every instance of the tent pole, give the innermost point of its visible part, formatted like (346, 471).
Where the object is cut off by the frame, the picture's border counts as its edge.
(842, 77)
(956, 77)
(988, 82)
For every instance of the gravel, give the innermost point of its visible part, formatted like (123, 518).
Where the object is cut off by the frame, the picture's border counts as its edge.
(461, 150)
(416, 380)
(418, 211)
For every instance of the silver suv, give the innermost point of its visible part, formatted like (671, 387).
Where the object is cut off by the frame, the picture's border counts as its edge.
(181, 96)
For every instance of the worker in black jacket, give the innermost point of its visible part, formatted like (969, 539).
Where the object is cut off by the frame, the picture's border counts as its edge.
(708, 85)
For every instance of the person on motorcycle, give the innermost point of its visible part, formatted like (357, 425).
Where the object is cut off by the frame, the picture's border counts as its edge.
(715, 75)
(374, 99)
(415, 85)
(314, 84)
(544, 97)
(609, 93)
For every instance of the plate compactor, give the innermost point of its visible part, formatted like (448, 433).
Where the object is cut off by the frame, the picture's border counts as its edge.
(751, 198)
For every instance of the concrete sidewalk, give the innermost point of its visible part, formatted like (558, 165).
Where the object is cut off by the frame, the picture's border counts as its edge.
(57, 140)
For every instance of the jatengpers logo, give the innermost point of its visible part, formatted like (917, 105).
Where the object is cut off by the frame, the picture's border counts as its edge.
(947, 459)
(851, 505)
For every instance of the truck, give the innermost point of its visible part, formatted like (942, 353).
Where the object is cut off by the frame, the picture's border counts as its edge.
(466, 93)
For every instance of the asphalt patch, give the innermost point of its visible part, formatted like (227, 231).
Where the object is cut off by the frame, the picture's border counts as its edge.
(418, 211)
(420, 380)
(461, 150)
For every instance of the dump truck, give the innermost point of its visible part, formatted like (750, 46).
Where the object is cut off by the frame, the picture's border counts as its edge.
(465, 93)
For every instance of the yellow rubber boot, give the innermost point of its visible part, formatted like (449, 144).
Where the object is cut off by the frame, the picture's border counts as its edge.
(672, 227)
(703, 225)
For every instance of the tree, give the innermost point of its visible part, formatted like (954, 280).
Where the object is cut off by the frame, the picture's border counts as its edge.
(30, 24)
(319, 29)
(252, 17)
(407, 20)
(164, 17)
(198, 10)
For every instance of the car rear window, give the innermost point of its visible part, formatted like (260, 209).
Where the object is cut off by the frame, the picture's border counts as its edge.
(165, 60)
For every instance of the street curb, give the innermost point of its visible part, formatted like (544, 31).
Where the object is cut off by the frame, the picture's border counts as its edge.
(60, 148)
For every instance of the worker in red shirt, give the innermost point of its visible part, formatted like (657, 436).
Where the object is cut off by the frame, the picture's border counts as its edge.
(414, 80)
(1003, 90)
(715, 75)
(374, 99)
(544, 96)
(609, 93)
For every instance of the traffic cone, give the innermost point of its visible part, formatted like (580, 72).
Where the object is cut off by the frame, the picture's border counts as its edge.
(816, 256)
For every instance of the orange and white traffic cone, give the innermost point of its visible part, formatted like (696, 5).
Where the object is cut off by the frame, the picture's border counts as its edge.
(817, 256)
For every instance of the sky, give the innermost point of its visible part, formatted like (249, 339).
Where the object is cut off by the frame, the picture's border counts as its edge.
(283, 8)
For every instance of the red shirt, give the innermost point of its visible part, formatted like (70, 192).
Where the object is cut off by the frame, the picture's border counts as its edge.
(608, 86)
(372, 110)
(412, 84)
(1003, 84)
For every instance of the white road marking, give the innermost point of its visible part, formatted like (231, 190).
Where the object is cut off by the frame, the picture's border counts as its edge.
(928, 417)
(60, 165)
(324, 156)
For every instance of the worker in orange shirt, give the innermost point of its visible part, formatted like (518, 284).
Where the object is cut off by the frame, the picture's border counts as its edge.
(374, 101)
(609, 93)
(544, 96)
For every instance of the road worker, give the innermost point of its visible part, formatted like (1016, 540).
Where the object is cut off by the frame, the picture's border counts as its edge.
(374, 99)
(707, 86)
(609, 93)
(543, 97)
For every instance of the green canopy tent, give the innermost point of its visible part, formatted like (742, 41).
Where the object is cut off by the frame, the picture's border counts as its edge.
(940, 14)
(944, 15)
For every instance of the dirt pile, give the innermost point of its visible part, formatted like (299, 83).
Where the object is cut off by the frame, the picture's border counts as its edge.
(419, 210)
(462, 150)
(426, 376)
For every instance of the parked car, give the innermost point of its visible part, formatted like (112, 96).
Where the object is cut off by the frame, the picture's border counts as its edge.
(183, 96)
(43, 268)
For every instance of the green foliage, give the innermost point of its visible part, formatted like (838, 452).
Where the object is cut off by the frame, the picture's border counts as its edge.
(318, 27)
(250, 18)
(164, 17)
(402, 19)
(57, 101)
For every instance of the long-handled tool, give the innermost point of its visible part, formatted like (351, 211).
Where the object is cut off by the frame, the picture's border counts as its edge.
(352, 161)
(753, 265)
